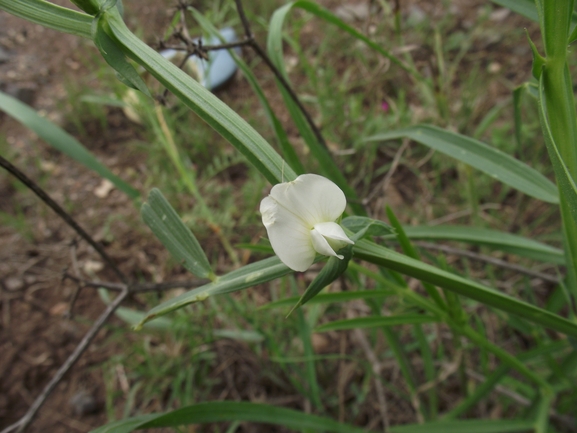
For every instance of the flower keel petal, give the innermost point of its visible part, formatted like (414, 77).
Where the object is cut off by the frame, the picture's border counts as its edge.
(321, 245)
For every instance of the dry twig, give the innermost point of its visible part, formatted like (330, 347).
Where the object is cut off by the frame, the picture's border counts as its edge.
(489, 259)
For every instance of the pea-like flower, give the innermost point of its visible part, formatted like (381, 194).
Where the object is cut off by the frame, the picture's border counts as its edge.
(300, 216)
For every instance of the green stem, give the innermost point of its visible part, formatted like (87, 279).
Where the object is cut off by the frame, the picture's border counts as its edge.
(502, 354)
(555, 16)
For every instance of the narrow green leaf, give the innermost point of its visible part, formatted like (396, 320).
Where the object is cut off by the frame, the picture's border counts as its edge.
(60, 140)
(410, 251)
(538, 59)
(375, 322)
(525, 8)
(207, 106)
(281, 135)
(562, 173)
(116, 59)
(528, 9)
(332, 270)
(320, 152)
(133, 317)
(237, 334)
(304, 329)
(468, 426)
(363, 226)
(559, 105)
(330, 18)
(485, 158)
(517, 98)
(390, 259)
(50, 15)
(165, 223)
(223, 411)
(484, 389)
(247, 276)
(327, 298)
(492, 238)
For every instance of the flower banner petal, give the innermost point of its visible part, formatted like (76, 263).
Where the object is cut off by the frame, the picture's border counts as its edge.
(314, 198)
(289, 237)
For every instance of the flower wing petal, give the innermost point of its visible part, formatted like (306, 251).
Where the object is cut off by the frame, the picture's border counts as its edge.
(321, 245)
(312, 197)
(333, 231)
(289, 236)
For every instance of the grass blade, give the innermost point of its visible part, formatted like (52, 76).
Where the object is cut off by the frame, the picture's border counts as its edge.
(60, 140)
(525, 8)
(239, 279)
(390, 259)
(318, 150)
(562, 173)
(165, 223)
(330, 18)
(485, 158)
(332, 270)
(410, 251)
(207, 106)
(116, 59)
(304, 329)
(468, 426)
(492, 238)
(50, 15)
(222, 411)
(327, 298)
(375, 322)
(287, 149)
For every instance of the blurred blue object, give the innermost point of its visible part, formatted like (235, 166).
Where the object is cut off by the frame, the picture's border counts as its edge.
(218, 69)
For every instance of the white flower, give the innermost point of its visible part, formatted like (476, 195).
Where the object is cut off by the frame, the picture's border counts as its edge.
(300, 216)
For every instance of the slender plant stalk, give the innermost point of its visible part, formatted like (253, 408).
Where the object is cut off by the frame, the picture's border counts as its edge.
(555, 19)
(188, 177)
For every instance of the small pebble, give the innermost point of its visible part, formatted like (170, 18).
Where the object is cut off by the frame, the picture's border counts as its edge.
(4, 55)
(12, 284)
(83, 403)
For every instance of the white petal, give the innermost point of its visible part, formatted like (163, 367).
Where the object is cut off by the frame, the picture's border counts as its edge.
(289, 236)
(333, 231)
(321, 245)
(311, 197)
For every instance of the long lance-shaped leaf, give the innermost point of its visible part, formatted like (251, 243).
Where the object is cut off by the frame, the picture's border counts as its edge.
(222, 411)
(329, 17)
(287, 149)
(468, 426)
(568, 188)
(333, 269)
(390, 259)
(485, 158)
(562, 173)
(318, 150)
(114, 56)
(525, 8)
(507, 242)
(375, 322)
(528, 9)
(207, 106)
(326, 298)
(165, 223)
(243, 278)
(60, 140)
(50, 15)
